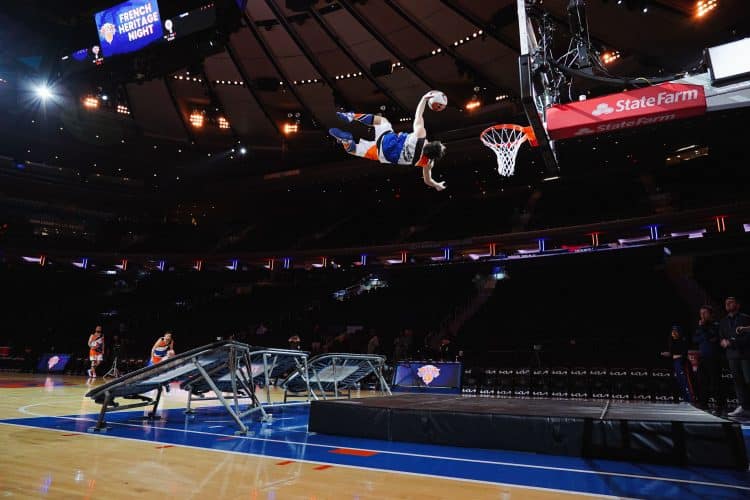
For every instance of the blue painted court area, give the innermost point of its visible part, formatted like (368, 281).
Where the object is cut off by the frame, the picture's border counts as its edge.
(287, 438)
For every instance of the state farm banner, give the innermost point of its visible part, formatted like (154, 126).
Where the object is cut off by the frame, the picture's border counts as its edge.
(633, 108)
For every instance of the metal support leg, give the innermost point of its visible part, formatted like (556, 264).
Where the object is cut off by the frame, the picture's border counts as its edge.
(101, 424)
(153, 415)
(212, 385)
(335, 381)
(266, 378)
(189, 410)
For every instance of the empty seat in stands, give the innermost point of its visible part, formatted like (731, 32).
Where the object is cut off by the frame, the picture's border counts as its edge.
(559, 382)
(663, 384)
(727, 388)
(489, 382)
(640, 384)
(579, 382)
(505, 380)
(522, 382)
(619, 383)
(470, 382)
(540, 382)
(599, 383)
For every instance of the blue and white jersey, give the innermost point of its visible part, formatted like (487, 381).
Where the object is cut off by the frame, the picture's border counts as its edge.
(401, 148)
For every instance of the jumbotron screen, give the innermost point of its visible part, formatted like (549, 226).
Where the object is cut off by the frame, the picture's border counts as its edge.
(129, 26)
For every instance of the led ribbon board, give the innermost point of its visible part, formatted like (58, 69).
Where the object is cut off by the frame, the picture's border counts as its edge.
(634, 108)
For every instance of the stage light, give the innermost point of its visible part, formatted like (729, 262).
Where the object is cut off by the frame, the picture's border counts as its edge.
(196, 119)
(473, 104)
(105, 97)
(43, 92)
(611, 56)
(243, 150)
(123, 110)
(90, 102)
(291, 128)
(703, 7)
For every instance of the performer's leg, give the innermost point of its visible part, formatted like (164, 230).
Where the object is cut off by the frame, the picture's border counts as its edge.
(364, 118)
(362, 148)
(367, 149)
(345, 138)
(382, 126)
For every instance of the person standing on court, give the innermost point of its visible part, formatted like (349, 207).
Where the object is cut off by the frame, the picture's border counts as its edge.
(677, 352)
(707, 338)
(96, 350)
(734, 331)
(163, 348)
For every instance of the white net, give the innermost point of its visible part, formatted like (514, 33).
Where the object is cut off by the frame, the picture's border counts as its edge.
(505, 142)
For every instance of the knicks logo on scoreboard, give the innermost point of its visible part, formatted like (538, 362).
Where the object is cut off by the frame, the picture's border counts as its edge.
(428, 373)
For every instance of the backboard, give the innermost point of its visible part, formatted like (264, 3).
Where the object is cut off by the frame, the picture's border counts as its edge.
(536, 93)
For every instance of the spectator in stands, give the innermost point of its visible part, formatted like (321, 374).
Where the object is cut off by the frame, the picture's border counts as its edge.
(431, 344)
(96, 350)
(401, 345)
(447, 350)
(734, 331)
(261, 330)
(677, 352)
(295, 343)
(373, 345)
(339, 343)
(709, 365)
(316, 339)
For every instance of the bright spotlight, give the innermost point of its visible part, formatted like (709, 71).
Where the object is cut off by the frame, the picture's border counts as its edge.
(243, 150)
(43, 92)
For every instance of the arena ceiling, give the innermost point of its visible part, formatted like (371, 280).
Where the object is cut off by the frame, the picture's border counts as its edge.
(283, 65)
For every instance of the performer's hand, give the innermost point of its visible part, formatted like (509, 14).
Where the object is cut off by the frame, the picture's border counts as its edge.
(741, 329)
(428, 95)
(439, 186)
(724, 343)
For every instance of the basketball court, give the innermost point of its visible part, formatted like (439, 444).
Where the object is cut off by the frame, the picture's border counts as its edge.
(48, 452)
(57, 443)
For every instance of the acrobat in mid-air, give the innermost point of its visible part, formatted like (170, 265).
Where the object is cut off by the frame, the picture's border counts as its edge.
(403, 148)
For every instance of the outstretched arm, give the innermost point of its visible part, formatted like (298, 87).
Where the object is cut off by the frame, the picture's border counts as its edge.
(419, 129)
(427, 176)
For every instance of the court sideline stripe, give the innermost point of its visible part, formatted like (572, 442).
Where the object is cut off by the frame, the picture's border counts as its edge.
(359, 467)
(435, 457)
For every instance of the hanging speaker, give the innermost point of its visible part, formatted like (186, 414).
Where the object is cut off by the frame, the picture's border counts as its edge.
(267, 84)
(381, 68)
(299, 5)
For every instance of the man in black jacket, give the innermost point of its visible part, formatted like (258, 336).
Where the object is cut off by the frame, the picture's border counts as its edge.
(709, 367)
(734, 331)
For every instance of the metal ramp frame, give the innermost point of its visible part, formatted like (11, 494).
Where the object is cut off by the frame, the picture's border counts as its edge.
(225, 359)
(330, 374)
(267, 365)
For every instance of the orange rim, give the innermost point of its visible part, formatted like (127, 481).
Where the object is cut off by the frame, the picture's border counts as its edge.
(526, 130)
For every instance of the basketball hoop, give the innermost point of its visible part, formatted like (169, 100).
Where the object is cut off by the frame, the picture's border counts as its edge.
(505, 140)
